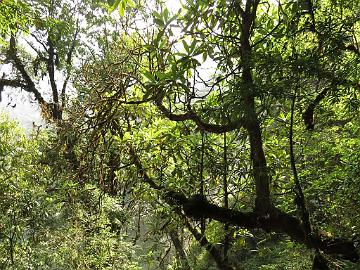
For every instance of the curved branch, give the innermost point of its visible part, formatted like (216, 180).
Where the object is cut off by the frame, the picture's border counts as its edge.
(30, 85)
(191, 115)
(308, 115)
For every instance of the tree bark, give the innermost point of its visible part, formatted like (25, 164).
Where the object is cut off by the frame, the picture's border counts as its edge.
(260, 172)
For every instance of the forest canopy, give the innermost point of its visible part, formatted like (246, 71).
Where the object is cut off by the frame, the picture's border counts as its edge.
(181, 134)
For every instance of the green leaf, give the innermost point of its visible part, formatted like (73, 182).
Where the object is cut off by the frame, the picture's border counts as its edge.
(157, 15)
(122, 8)
(204, 56)
(186, 46)
(166, 14)
(110, 2)
(148, 75)
(131, 3)
(159, 21)
(127, 136)
(193, 45)
(114, 6)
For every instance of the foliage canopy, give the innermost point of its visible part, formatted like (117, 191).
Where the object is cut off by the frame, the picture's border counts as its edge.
(221, 135)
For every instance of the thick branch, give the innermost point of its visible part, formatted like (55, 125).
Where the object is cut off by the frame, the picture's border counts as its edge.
(30, 86)
(11, 83)
(276, 221)
(56, 110)
(51, 71)
(190, 115)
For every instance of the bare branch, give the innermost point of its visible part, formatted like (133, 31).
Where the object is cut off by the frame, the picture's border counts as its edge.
(30, 85)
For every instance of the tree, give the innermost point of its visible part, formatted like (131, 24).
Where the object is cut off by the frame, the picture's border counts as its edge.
(225, 130)
(42, 44)
(275, 63)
